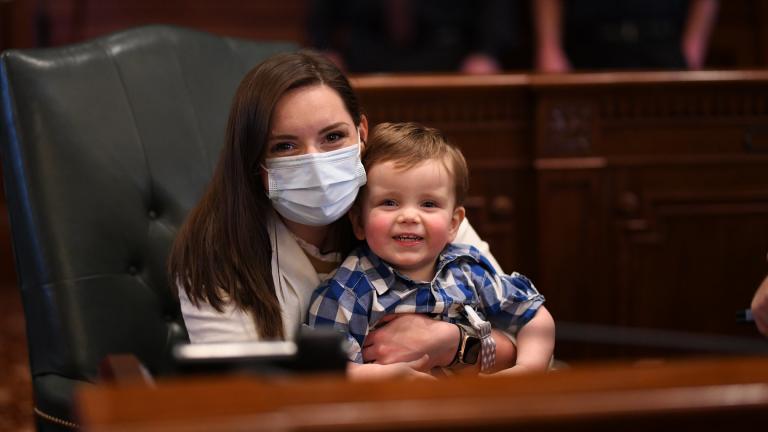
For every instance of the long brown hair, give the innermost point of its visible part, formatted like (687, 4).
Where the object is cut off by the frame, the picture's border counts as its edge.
(222, 252)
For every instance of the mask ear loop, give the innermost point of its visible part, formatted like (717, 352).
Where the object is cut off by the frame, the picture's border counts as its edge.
(359, 139)
(277, 258)
(263, 168)
(359, 144)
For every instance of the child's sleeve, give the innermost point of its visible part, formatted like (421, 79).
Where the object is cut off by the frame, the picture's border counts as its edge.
(508, 301)
(337, 306)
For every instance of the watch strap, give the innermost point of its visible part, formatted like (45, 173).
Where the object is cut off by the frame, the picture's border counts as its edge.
(487, 344)
(487, 353)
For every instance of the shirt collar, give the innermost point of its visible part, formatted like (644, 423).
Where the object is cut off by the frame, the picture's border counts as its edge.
(383, 277)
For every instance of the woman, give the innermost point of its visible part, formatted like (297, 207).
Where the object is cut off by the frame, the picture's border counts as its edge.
(272, 224)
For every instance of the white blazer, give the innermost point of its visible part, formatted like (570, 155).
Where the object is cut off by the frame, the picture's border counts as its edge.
(295, 280)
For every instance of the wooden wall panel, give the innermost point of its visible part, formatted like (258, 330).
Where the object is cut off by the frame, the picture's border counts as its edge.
(572, 246)
(654, 191)
(693, 245)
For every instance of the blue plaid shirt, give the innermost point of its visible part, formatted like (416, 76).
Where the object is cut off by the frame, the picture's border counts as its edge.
(365, 289)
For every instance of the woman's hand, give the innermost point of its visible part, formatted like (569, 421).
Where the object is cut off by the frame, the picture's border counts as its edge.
(408, 337)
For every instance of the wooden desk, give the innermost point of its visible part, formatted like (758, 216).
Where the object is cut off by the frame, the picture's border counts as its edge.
(699, 395)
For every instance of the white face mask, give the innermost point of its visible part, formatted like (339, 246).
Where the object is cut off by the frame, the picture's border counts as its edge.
(316, 188)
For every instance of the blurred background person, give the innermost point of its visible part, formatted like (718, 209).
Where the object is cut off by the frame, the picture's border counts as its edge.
(628, 34)
(364, 36)
(759, 307)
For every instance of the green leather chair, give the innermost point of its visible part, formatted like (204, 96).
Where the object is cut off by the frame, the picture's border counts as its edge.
(106, 145)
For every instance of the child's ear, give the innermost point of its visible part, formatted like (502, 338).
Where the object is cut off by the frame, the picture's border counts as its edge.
(456, 219)
(356, 218)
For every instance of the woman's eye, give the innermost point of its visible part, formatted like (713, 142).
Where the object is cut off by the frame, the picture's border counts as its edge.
(334, 136)
(282, 147)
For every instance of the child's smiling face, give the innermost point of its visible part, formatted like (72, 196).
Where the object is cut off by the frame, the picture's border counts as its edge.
(409, 215)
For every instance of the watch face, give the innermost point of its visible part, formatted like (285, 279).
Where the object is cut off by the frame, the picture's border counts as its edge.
(472, 350)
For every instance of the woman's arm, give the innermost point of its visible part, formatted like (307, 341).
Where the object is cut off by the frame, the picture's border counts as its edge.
(408, 337)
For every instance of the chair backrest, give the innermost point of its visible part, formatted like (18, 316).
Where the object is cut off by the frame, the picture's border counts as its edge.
(106, 145)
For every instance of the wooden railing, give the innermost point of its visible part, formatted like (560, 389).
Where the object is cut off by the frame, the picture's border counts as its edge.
(700, 395)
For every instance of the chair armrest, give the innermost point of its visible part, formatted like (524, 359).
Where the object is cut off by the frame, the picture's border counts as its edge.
(124, 369)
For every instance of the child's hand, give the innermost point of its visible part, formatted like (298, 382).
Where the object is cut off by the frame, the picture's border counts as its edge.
(513, 371)
(408, 370)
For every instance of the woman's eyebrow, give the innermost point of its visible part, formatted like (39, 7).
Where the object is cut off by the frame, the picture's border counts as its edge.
(332, 126)
(322, 131)
(282, 136)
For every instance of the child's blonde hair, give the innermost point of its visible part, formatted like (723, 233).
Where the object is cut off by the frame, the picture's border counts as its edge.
(409, 144)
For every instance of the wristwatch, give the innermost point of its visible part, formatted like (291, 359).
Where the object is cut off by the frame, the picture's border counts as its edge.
(468, 350)
(483, 331)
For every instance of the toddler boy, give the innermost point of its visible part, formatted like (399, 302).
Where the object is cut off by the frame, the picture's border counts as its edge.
(408, 214)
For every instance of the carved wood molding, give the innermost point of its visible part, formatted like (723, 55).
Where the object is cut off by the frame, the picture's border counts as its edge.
(645, 79)
(497, 102)
(663, 104)
(483, 109)
(643, 215)
(568, 126)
